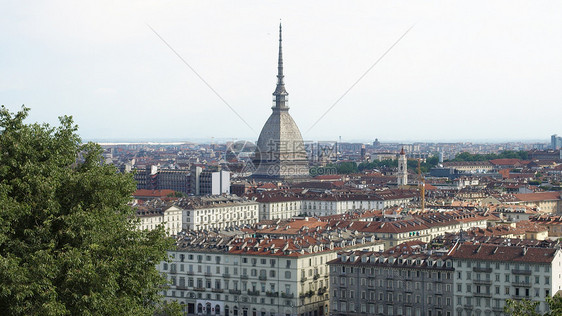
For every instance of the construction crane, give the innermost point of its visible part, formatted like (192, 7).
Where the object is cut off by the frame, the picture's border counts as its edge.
(421, 181)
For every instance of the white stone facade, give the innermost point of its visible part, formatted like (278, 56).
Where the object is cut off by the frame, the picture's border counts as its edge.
(270, 283)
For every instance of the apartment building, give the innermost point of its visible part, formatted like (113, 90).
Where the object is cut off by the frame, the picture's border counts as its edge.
(213, 274)
(487, 275)
(393, 282)
(157, 212)
(218, 212)
(283, 204)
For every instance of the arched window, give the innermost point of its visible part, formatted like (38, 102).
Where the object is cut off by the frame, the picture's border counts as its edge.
(217, 309)
(199, 308)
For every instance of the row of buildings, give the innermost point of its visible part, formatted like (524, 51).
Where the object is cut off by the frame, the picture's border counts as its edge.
(230, 211)
(469, 279)
(348, 272)
(218, 274)
(194, 181)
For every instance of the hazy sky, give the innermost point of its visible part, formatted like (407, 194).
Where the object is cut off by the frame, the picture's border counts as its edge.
(468, 70)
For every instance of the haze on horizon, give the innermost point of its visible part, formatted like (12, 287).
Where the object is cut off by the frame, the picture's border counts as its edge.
(468, 70)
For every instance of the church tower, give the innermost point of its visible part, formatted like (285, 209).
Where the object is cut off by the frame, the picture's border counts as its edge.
(280, 152)
(402, 169)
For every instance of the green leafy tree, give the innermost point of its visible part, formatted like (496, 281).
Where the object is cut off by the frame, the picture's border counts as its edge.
(177, 194)
(521, 308)
(555, 305)
(465, 156)
(68, 243)
(528, 308)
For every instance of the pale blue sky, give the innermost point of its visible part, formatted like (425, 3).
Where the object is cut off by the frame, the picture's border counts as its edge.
(468, 70)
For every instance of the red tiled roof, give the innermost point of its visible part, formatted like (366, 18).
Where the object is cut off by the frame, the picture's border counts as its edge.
(505, 161)
(538, 196)
(503, 253)
(152, 193)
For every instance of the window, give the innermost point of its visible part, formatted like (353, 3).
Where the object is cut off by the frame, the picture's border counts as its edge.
(287, 274)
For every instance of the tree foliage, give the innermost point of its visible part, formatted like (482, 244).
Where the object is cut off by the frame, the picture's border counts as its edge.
(555, 305)
(68, 243)
(528, 308)
(465, 156)
(393, 163)
(334, 168)
(521, 308)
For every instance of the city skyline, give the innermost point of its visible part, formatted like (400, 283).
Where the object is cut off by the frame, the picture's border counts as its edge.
(465, 72)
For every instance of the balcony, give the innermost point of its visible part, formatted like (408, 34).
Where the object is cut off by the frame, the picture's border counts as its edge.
(482, 294)
(518, 271)
(234, 291)
(208, 274)
(189, 272)
(303, 279)
(482, 269)
(272, 294)
(226, 275)
(243, 276)
(487, 282)
(287, 295)
(217, 290)
(253, 293)
(263, 277)
(199, 289)
(307, 294)
(181, 287)
(316, 277)
(322, 290)
(521, 284)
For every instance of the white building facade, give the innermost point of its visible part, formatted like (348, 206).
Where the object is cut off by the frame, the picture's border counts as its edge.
(242, 277)
(218, 212)
(487, 275)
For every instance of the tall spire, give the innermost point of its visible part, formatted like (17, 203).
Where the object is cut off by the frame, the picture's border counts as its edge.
(280, 100)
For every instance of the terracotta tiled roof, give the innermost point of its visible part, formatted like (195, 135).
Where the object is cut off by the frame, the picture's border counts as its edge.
(503, 253)
(538, 196)
(505, 161)
(152, 193)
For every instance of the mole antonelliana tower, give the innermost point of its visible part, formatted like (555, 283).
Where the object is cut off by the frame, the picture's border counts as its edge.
(402, 169)
(280, 152)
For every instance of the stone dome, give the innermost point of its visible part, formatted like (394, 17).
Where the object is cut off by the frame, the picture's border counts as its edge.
(280, 152)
